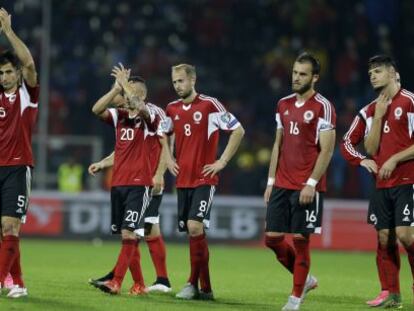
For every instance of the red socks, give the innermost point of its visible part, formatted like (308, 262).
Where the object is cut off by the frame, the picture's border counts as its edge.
(8, 254)
(16, 271)
(135, 266)
(284, 252)
(128, 249)
(158, 255)
(302, 265)
(199, 258)
(391, 267)
(410, 253)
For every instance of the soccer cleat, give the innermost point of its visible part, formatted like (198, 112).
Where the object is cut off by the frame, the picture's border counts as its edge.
(111, 287)
(8, 282)
(393, 301)
(17, 292)
(205, 295)
(158, 287)
(311, 283)
(102, 280)
(377, 301)
(137, 290)
(189, 291)
(292, 304)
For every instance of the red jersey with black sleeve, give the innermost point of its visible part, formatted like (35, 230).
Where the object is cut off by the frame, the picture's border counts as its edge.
(132, 162)
(301, 124)
(196, 127)
(18, 114)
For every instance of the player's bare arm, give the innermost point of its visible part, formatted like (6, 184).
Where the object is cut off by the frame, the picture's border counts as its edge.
(327, 145)
(273, 164)
(99, 166)
(112, 97)
(389, 166)
(231, 148)
(21, 50)
(372, 140)
(167, 157)
(158, 179)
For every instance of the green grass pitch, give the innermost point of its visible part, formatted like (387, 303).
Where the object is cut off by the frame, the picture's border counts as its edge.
(56, 275)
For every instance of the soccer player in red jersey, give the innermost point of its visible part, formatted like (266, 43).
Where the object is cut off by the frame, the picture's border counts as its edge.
(305, 139)
(153, 235)
(195, 120)
(390, 142)
(131, 184)
(353, 137)
(19, 95)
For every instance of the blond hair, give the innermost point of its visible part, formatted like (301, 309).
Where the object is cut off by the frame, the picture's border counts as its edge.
(190, 70)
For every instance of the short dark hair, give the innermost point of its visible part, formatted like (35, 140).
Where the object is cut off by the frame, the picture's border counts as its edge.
(137, 79)
(8, 56)
(381, 59)
(306, 57)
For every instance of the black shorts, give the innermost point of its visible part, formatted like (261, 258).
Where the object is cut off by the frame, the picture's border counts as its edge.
(128, 206)
(392, 207)
(15, 185)
(194, 204)
(285, 214)
(152, 214)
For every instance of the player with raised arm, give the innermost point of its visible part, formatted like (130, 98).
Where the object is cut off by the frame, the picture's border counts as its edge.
(390, 142)
(153, 235)
(304, 143)
(353, 137)
(131, 184)
(196, 119)
(19, 96)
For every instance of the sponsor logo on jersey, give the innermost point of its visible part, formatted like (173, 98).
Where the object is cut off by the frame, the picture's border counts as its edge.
(406, 218)
(19, 211)
(286, 113)
(308, 115)
(200, 214)
(176, 118)
(310, 226)
(398, 113)
(131, 226)
(197, 116)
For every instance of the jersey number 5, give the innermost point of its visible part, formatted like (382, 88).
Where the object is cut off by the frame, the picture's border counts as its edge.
(2, 112)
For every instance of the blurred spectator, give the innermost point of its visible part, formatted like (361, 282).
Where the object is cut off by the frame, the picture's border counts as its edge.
(70, 176)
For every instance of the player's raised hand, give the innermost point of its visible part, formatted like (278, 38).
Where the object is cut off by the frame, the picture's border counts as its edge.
(94, 168)
(381, 105)
(267, 194)
(370, 165)
(307, 194)
(387, 168)
(158, 184)
(213, 169)
(121, 74)
(5, 21)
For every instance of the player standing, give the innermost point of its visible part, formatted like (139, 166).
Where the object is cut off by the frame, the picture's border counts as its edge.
(305, 139)
(130, 192)
(196, 119)
(353, 137)
(390, 142)
(153, 235)
(19, 95)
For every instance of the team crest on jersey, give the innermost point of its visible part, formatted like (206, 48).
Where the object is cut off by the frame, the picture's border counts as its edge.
(308, 115)
(12, 98)
(197, 116)
(398, 113)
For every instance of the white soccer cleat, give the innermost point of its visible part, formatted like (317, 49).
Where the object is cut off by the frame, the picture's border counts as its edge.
(17, 292)
(292, 304)
(188, 292)
(311, 283)
(160, 288)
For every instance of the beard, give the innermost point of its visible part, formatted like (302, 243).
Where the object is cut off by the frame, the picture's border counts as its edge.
(303, 89)
(187, 94)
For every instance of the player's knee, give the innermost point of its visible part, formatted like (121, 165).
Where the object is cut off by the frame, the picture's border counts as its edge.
(383, 237)
(10, 227)
(404, 236)
(195, 228)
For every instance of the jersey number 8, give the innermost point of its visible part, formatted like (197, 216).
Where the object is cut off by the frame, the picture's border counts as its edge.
(187, 129)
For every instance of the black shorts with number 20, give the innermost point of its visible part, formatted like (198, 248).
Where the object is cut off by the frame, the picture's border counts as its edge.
(194, 204)
(128, 206)
(285, 214)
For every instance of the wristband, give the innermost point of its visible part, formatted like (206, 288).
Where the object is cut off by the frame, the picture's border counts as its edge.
(270, 181)
(311, 182)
